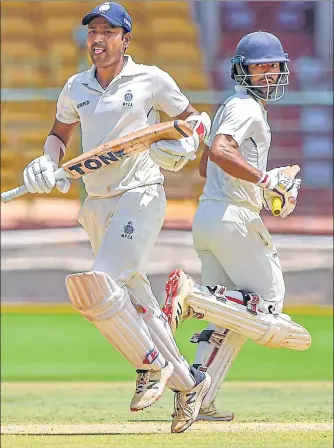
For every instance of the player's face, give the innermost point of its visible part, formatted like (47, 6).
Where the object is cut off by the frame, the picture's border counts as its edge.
(106, 44)
(264, 73)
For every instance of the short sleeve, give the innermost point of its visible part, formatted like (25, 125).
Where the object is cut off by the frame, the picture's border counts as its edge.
(167, 96)
(214, 126)
(66, 113)
(237, 120)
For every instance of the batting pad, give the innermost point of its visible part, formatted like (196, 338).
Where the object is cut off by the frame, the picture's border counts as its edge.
(228, 311)
(225, 347)
(162, 336)
(101, 301)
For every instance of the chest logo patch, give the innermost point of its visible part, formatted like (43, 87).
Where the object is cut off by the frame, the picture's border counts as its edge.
(128, 231)
(128, 97)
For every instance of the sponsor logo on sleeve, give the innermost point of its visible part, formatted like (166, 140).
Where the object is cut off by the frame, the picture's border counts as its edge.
(85, 103)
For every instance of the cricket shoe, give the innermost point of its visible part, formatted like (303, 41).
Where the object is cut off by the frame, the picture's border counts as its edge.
(187, 404)
(175, 308)
(150, 386)
(212, 414)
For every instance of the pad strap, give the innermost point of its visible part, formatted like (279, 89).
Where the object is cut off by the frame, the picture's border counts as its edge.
(228, 311)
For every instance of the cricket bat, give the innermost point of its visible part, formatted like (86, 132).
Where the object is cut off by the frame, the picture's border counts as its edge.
(276, 203)
(113, 151)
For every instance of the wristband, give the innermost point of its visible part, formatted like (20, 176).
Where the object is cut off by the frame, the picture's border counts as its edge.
(264, 181)
(53, 147)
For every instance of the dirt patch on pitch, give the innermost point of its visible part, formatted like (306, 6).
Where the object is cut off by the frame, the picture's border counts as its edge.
(148, 427)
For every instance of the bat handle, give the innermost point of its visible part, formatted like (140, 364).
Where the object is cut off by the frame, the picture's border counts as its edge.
(7, 196)
(276, 206)
(277, 201)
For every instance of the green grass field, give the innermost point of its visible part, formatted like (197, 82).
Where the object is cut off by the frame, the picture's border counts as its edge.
(64, 385)
(268, 414)
(60, 347)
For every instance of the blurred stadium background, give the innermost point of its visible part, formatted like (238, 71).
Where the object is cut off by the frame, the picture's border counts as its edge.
(42, 44)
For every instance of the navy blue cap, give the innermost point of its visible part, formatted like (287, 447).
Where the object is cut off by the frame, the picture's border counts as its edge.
(115, 13)
(260, 47)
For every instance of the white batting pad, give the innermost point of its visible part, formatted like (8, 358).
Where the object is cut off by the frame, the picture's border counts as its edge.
(101, 301)
(227, 310)
(161, 334)
(143, 299)
(225, 347)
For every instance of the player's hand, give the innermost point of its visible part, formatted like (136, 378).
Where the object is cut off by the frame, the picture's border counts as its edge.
(289, 199)
(39, 176)
(172, 155)
(275, 180)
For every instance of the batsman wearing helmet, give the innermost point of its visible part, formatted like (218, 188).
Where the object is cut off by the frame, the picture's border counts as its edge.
(125, 205)
(235, 248)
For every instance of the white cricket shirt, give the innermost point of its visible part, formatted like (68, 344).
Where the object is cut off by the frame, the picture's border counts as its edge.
(245, 119)
(130, 102)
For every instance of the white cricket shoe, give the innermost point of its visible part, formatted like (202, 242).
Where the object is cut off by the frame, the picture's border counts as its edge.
(178, 287)
(187, 404)
(150, 386)
(211, 413)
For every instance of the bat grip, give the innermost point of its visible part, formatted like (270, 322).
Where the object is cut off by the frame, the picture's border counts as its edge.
(276, 206)
(277, 201)
(7, 196)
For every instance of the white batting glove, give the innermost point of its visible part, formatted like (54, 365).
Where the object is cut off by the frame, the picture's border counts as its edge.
(289, 199)
(173, 155)
(275, 179)
(39, 176)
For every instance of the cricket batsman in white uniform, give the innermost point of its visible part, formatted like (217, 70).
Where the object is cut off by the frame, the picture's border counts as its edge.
(125, 205)
(235, 248)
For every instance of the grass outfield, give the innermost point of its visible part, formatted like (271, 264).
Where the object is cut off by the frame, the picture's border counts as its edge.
(61, 347)
(268, 414)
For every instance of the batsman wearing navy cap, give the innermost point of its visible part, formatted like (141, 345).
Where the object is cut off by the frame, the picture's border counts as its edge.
(244, 292)
(114, 13)
(125, 205)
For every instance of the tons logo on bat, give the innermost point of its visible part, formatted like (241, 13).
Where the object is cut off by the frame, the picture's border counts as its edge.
(94, 163)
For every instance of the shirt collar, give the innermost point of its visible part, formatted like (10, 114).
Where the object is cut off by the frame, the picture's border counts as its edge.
(129, 69)
(242, 92)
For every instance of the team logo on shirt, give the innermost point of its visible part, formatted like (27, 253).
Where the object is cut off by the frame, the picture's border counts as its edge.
(128, 231)
(128, 99)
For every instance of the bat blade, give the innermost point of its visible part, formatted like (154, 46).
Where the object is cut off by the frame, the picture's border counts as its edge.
(291, 172)
(114, 151)
(124, 147)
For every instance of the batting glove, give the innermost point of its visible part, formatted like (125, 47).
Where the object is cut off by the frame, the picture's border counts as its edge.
(289, 199)
(173, 155)
(275, 179)
(39, 176)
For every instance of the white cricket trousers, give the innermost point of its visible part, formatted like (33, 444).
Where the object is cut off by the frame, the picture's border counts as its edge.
(236, 251)
(123, 230)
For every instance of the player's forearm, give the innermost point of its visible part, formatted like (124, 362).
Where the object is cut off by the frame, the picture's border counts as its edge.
(203, 162)
(190, 110)
(58, 139)
(230, 161)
